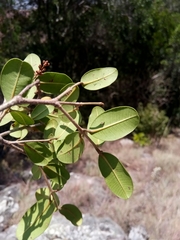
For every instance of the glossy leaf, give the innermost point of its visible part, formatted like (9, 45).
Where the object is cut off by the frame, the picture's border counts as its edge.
(22, 118)
(96, 111)
(15, 76)
(41, 111)
(71, 149)
(19, 134)
(33, 60)
(117, 178)
(38, 153)
(36, 220)
(72, 213)
(114, 123)
(52, 82)
(99, 78)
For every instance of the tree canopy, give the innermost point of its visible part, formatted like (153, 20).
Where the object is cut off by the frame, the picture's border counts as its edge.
(138, 37)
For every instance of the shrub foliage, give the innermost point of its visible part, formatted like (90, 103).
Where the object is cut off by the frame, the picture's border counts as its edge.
(35, 99)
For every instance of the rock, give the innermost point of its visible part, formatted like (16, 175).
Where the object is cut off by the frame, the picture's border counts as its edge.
(8, 205)
(93, 228)
(138, 233)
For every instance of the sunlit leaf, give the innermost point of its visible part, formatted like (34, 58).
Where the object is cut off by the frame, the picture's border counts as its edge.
(99, 78)
(72, 96)
(117, 178)
(57, 173)
(36, 220)
(71, 149)
(15, 76)
(72, 213)
(38, 153)
(52, 82)
(22, 118)
(96, 111)
(65, 128)
(36, 172)
(20, 134)
(33, 60)
(51, 126)
(114, 123)
(6, 119)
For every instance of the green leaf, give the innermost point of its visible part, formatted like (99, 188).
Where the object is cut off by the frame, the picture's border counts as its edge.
(51, 126)
(20, 134)
(36, 220)
(72, 96)
(42, 193)
(22, 118)
(72, 213)
(52, 82)
(57, 173)
(96, 111)
(6, 119)
(33, 60)
(38, 153)
(36, 172)
(41, 111)
(114, 123)
(71, 149)
(65, 128)
(99, 78)
(15, 76)
(117, 178)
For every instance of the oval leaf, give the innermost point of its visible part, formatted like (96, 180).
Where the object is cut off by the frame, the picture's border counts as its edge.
(71, 149)
(36, 220)
(72, 213)
(22, 118)
(36, 172)
(96, 111)
(38, 153)
(6, 119)
(20, 134)
(57, 173)
(114, 123)
(41, 111)
(15, 76)
(52, 82)
(33, 60)
(99, 78)
(117, 178)
(65, 128)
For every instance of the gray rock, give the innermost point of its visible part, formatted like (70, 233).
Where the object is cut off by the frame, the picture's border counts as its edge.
(8, 205)
(138, 233)
(93, 228)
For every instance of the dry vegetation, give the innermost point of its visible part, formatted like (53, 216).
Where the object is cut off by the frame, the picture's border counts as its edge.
(155, 202)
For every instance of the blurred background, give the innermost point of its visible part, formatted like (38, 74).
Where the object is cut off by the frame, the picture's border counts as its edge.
(138, 37)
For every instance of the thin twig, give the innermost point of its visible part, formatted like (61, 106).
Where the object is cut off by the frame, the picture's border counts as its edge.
(31, 140)
(20, 128)
(28, 87)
